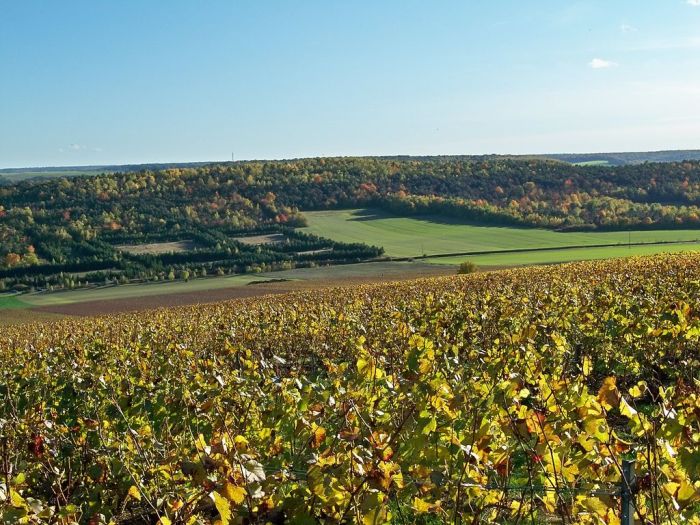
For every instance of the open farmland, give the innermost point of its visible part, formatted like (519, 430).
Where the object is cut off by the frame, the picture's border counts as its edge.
(155, 248)
(10, 302)
(534, 257)
(124, 298)
(500, 397)
(418, 236)
(367, 271)
(255, 240)
(15, 311)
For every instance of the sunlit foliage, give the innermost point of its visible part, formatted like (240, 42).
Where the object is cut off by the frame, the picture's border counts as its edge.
(507, 397)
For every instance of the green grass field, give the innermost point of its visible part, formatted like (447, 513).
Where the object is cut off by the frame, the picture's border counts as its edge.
(13, 309)
(11, 302)
(560, 256)
(414, 237)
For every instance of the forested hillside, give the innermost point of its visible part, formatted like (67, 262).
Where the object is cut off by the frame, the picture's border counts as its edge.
(76, 224)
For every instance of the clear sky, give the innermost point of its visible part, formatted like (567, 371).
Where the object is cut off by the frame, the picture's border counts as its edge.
(131, 81)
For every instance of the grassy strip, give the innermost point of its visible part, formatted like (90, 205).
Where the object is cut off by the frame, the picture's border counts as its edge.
(11, 302)
(533, 257)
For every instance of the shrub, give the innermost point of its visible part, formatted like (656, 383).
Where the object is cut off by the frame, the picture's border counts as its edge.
(467, 267)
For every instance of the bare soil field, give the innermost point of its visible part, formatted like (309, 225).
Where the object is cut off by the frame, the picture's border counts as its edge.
(254, 240)
(156, 248)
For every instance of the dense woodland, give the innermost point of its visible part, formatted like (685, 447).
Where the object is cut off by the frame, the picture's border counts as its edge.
(54, 228)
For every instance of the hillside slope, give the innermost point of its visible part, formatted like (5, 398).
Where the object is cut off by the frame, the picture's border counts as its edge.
(76, 225)
(495, 397)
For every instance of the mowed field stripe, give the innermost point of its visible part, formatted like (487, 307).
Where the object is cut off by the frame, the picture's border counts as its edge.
(535, 257)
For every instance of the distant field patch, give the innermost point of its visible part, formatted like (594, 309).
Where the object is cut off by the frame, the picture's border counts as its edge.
(128, 291)
(592, 163)
(314, 252)
(561, 256)
(419, 236)
(157, 248)
(255, 240)
(11, 302)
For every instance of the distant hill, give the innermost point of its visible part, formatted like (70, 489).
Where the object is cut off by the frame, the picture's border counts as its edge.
(10, 175)
(625, 158)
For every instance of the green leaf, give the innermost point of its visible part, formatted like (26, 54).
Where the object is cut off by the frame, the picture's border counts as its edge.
(430, 426)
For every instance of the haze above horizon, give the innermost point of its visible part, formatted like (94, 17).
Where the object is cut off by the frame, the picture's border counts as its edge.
(95, 83)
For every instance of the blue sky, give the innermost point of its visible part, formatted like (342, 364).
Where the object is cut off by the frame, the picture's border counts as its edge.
(130, 81)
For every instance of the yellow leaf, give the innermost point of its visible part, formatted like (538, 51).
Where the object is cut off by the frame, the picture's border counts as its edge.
(421, 507)
(638, 390)
(587, 366)
(687, 494)
(586, 443)
(318, 437)
(223, 506)
(611, 517)
(240, 443)
(425, 366)
(597, 428)
(549, 500)
(670, 488)
(374, 510)
(16, 500)
(234, 493)
(595, 505)
(626, 410)
(362, 364)
(202, 444)
(373, 516)
(608, 395)
(134, 493)
(164, 520)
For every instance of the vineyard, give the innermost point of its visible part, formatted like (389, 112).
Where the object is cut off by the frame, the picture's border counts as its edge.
(507, 397)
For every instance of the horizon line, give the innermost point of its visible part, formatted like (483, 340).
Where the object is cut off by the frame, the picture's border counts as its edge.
(282, 159)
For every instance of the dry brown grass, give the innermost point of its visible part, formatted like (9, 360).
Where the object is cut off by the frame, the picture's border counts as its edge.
(158, 247)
